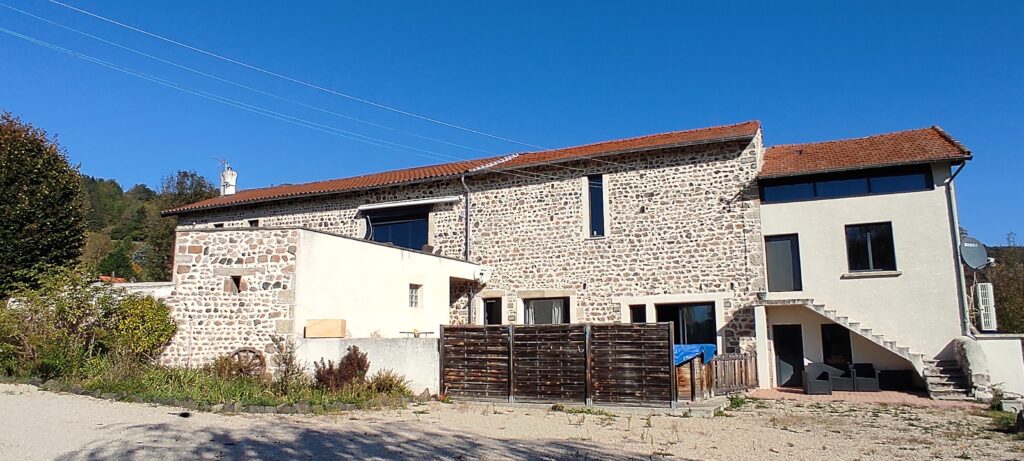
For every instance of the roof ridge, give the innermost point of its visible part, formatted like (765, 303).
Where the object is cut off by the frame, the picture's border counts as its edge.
(497, 161)
(634, 138)
(832, 141)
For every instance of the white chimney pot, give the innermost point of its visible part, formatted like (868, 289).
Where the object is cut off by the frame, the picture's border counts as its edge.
(227, 181)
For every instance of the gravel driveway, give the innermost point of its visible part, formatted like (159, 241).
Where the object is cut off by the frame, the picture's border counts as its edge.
(43, 425)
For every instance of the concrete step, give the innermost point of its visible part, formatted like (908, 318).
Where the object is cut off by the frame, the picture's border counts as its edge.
(957, 382)
(842, 320)
(891, 345)
(830, 313)
(951, 395)
(854, 326)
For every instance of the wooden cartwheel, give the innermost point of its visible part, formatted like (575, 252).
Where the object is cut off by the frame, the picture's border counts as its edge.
(249, 361)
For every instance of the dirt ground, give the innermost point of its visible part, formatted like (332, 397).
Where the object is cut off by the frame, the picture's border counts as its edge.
(43, 425)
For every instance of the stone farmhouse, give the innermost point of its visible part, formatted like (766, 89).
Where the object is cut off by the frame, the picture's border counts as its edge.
(834, 251)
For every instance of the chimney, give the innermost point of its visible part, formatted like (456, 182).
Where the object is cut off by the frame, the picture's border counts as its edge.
(227, 180)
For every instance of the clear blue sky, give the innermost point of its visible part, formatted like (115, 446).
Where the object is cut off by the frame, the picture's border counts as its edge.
(547, 73)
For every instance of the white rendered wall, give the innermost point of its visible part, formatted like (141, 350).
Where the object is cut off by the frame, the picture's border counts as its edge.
(416, 358)
(1005, 362)
(919, 307)
(367, 284)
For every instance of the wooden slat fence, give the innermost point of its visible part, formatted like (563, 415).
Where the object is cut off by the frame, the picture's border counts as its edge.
(729, 373)
(607, 363)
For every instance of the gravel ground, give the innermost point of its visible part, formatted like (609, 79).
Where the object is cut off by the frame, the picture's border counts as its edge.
(44, 425)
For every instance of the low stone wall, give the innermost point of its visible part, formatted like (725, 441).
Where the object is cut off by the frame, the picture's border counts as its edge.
(416, 358)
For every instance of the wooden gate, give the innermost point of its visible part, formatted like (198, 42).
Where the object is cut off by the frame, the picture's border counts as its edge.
(581, 363)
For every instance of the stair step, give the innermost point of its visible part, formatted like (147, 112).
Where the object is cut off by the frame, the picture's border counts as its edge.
(830, 313)
(818, 307)
(949, 374)
(903, 350)
(842, 320)
(891, 345)
(878, 338)
(865, 332)
(853, 326)
(956, 382)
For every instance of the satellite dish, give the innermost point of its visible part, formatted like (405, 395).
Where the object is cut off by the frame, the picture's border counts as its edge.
(973, 253)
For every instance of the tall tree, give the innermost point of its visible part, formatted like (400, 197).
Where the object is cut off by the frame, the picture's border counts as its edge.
(182, 188)
(1007, 278)
(118, 262)
(41, 211)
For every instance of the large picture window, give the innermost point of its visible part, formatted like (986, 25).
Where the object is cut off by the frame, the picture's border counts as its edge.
(546, 311)
(869, 247)
(404, 227)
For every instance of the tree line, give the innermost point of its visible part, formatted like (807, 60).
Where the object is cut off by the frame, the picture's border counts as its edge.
(52, 216)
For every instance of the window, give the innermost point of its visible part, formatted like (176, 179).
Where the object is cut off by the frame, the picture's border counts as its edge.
(869, 247)
(847, 184)
(835, 345)
(414, 294)
(254, 223)
(219, 225)
(693, 323)
(782, 255)
(546, 311)
(233, 284)
(638, 313)
(595, 196)
(405, 227)
(492, 311)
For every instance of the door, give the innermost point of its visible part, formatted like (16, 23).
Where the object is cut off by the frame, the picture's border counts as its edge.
(835, 345)
(788, 341)
(782, 255)
(693, 323)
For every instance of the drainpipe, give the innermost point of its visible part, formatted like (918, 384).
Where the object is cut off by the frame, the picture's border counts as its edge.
(954, 222)
(465, 250)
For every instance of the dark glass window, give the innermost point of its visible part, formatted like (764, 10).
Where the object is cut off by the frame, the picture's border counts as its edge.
(595, 189)
(841, 187)
(847, 184)
(638, 313)
(404, 227)
(787, 192)
(869, 247)
(492, 311)
(694, 323)
(254, 223)
(546, 311)
(782, 255)
(906, 182)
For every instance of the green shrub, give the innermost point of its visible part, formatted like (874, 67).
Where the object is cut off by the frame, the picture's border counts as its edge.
(290, 374)
(389, 382)
(56, 328)
(354, 365)
(141, 326)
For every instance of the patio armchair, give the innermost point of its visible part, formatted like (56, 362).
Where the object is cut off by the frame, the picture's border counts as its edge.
(865, 377)
(838, 378)
(816, 380)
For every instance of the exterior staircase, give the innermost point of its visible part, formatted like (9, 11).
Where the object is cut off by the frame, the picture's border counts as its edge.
(944, 379)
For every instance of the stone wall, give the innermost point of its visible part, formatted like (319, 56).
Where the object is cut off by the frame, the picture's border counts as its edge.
(681, 221)
(213, 319)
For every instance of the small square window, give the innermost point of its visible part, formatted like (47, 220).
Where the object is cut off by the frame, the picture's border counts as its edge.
(869, 247)
(254, 223)
(415, 292)
(219, 225)
(234, 284)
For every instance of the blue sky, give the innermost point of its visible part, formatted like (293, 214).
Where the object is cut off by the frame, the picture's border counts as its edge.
(545, 73)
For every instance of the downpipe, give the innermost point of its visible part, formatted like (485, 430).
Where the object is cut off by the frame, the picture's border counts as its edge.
(954, 222)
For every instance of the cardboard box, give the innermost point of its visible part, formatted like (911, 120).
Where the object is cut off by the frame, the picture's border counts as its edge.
(325, 328)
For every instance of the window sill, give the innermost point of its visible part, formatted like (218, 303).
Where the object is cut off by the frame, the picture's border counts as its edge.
(602, 237)
(870, 274)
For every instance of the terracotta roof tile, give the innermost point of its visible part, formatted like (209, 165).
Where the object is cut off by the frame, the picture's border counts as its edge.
(335, 185)
(903, 147)
(675, 138)
(409, 175)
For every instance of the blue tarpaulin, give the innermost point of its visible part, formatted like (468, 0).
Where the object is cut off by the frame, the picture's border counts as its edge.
(685, 352)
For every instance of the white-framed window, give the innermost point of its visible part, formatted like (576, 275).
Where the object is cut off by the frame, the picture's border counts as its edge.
(415, 293)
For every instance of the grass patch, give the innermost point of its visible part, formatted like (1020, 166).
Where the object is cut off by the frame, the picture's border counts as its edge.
(581, 410)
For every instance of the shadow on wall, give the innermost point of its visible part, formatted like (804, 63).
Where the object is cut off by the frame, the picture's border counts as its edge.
(289, 439)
